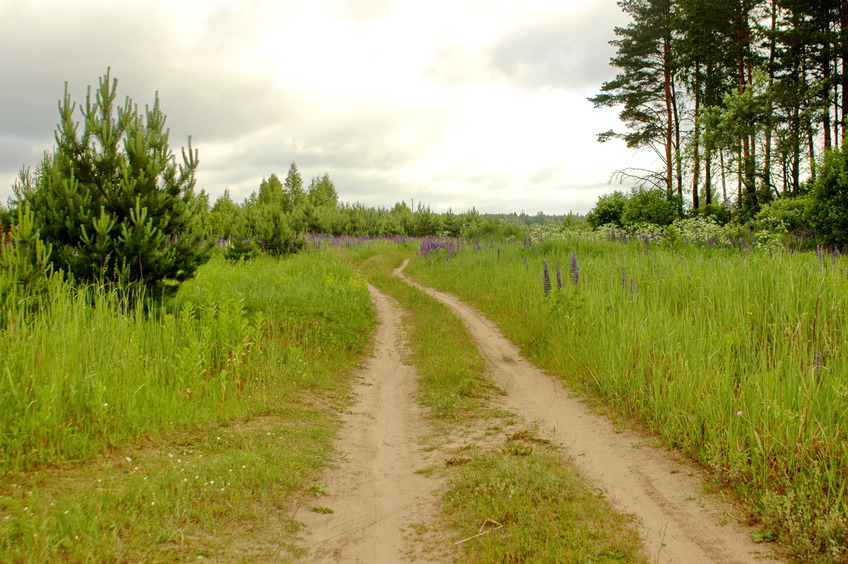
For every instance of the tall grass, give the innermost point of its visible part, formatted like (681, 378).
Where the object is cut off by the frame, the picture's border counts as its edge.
(738, 358)
(87, 372)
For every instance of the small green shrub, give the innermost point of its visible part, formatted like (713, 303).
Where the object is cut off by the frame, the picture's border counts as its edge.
(608, 210)
(829, 207)
(649, 206)
(786, 214)
(241, 248)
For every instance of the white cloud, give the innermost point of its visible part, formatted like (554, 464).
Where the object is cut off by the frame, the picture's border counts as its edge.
(454, 103)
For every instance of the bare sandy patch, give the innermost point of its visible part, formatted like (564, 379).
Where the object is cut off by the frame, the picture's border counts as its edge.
(378, 491)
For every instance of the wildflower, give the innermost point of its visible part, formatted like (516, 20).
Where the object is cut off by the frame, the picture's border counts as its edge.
(739, 414)
(817, 363)
(623, 277)
(575, 269)
(558, 276)
(546, 278)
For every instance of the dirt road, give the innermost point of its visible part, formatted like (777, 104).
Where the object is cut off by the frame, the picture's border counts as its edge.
(375, 493)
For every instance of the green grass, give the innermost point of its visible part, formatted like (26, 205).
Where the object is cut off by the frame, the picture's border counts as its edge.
(548, 513)
(183, 433)
(449, 368)
(737, 358)
(535, 509)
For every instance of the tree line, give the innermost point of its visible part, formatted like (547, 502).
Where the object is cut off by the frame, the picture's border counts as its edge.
(739, 99)
(274, 218)
(112, 204)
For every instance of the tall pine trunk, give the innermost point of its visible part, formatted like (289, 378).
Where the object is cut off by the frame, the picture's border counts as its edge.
(696, 140)
(747, 165)
(669, 104)
(843, 52)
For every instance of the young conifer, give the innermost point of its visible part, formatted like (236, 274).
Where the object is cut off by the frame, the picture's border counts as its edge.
(112, 200)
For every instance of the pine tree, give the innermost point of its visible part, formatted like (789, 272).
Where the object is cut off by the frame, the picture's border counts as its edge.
(225, 217)
(645, 87)
(271, 192)
(293, 188)
(322, 192)
(112, 201)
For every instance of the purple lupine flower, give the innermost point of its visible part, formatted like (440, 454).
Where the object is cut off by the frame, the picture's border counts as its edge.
(559, 276)
(819, 253)
(575, 269)
(623, 277)
(546, 277)
(817, 363)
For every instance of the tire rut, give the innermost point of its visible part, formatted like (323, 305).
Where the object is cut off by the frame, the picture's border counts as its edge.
(374, 492)
(677, 521)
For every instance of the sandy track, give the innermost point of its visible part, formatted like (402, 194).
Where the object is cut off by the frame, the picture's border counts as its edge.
(374, 491)
(678, 522)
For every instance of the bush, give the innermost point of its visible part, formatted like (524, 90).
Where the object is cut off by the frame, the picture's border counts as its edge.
(829, 206)
(113, 202)
(699, 230)
(239, 248)
(716, 212)
(608, 210)
(649, 206)
(793, 214)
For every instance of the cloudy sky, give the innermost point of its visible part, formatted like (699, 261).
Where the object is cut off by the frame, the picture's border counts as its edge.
(452, 103)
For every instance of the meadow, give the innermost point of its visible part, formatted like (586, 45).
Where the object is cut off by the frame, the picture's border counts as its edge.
(195, 422)
(734, 356)
(124, 431)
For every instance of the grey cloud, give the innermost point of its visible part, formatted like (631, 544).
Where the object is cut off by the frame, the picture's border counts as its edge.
(367, 144)
(41, 50)
(561, 52)
(217, 107)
